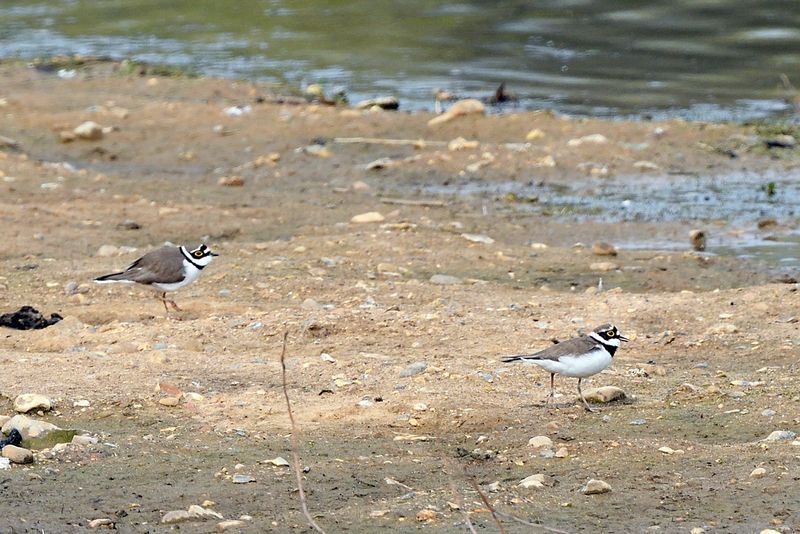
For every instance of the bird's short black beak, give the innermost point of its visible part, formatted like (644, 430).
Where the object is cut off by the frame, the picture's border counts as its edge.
(622, 338)
(213, 254)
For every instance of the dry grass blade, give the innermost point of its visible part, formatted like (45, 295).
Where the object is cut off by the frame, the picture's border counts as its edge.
(295, 448)
(488, 505)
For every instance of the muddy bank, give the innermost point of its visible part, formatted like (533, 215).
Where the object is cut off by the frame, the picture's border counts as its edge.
(710, 372)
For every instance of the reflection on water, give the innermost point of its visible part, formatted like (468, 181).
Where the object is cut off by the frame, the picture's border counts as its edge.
(704, 59)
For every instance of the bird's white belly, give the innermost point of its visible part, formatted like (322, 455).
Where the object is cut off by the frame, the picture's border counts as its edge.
(190, 274)
(578, 366)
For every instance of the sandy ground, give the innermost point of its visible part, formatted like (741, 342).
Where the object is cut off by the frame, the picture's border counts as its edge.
(714, 339)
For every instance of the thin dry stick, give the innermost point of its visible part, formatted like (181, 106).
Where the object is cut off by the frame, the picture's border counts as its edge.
(295, 453)
(382, 141)
(486, 502)
(522, 521)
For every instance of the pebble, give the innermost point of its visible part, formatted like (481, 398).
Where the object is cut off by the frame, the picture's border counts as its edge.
(768, 413)
(540, 441)
(697, 239)
(604, 394)
(486, 376)
(533, 481)
(444, 280)
(176, 516)
(459, 143)
(595, 487)
(644, 165)
(535, 135)
(311, 304)
(32, 401)
(18, 455)
(169, 401)
(758, 472)
(243, 479)
(769, 531)
(467, 106)
(231, 181)
(84, 440)
(368, 217)
(413, 369)
(89, 130)
(601, 248)
(101, 522)
(203, 513)
(777, 435)
(230, 524)
(563, 452)
(365, 403)
(426, 515)
(595, 139)
(637, 422)
(29, 428)
(603, 266)
(5, 463)
(478, 238)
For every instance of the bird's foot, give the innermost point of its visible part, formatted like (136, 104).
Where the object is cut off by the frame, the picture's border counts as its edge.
(174, 306)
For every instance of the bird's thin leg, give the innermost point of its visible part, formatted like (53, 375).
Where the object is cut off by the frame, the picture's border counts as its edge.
(172, 303)
(163, 298)
(552, 394)
(585, 404)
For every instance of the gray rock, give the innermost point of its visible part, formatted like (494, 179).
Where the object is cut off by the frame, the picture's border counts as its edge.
(596, 487)
(413, 369)
(29, 428)
(768, 413)
(101, 522)
(176, 516)
(780, 435)
(222, 526)
(243, 479)
(540, 441)
(17, 455)
(444, 280)
(604, 394)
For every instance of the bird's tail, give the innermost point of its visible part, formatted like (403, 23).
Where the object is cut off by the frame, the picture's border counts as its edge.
(517, 358)
(110, 278)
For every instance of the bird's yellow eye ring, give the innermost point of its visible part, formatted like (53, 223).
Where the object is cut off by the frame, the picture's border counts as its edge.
(198, 253)
(610, 333)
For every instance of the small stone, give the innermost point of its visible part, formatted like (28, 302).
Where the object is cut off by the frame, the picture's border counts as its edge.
(601, 248)
(777, 435)
(563, 452)
(540, 441)
(176, 516)
(278, 461)
(758, 472)
(533, 481)
(231, 181)
(18, 455)
(243, 479)
(5, 463)
(413, 369)
(459, 143)
(311, 304)
(768, 413)
(595, 487)
(444, 280)
(535, 135)
(426, 515)
(666, 450)
(478, 238)
(230, 524)
(84, 440)
(603, 266)
(697, 239)
(203, 513)
(769, 531)
(493, 487)
(368, 217)
(383, 102)
(539, 246)
(644, 165)
(102, 522)
(604, 394)
(169, 401)
(595, 139)
(32, 401)
(420, 407)
(89, 130)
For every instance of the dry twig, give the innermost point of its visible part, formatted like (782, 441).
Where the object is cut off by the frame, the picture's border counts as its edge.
(295, 453)
(488, 505)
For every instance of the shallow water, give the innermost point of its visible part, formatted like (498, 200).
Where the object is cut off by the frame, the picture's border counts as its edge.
(733, 204)
(701, 59)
